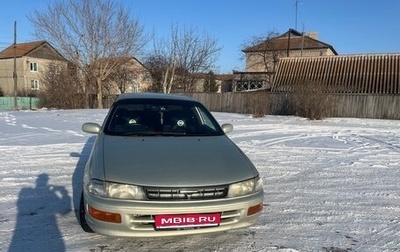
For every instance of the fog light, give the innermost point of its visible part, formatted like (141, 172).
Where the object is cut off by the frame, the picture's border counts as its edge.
(104, 216)
(254, 209)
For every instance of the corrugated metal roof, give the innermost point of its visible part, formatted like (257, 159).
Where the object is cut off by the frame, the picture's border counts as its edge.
(379, 73)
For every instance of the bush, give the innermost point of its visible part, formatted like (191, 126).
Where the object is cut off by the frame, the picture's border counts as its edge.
(258, 104)
(311, 100)
(62, 90)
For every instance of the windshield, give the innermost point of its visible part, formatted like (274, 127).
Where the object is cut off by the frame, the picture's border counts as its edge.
(144, 117)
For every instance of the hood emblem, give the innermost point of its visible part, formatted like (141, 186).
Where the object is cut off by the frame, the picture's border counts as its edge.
(188, 193)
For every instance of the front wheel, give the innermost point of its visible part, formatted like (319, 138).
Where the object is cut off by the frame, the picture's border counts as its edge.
(82, 218)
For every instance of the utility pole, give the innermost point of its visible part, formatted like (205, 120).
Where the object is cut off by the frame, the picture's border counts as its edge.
(288, 43)
(297, 8)
(15, 66)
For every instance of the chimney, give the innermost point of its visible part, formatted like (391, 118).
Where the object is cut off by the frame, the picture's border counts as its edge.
(313, 35)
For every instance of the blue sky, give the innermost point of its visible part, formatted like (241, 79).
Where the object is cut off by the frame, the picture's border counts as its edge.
(350, 26)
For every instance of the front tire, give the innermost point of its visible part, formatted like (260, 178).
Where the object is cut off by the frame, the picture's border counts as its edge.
(82, 218)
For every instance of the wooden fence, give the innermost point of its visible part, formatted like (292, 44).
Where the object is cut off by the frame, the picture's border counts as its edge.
(378, 106)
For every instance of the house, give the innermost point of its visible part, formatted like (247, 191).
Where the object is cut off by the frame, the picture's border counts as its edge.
(262, 59)
(264, 56)
(131, 76)
(32, 60)
(294, 58)
(222, 82)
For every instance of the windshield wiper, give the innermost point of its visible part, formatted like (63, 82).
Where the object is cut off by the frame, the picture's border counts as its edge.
(140, 133)
(169, 133)
(202, 134)
(153, 133)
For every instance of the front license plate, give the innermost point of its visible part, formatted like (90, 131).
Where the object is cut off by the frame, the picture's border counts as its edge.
(187, 220)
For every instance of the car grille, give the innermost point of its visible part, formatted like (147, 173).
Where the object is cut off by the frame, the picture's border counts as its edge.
(146, 222)
(203, 193)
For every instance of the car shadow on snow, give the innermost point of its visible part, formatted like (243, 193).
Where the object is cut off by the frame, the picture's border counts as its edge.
(77, 177)
(36, 225)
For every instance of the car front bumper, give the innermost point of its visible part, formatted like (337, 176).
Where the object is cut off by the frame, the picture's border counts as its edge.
(137, 217)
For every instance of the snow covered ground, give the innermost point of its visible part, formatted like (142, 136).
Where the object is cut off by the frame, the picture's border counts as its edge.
(331, 185)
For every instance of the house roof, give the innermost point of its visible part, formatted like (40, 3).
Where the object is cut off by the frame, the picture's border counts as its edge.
(225, 77)
(121, 60)
(370, 73)
(25, 49)
(22, 49)
(292, 38)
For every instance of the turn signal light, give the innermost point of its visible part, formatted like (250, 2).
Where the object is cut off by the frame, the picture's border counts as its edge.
(104, 216)
(254, 209)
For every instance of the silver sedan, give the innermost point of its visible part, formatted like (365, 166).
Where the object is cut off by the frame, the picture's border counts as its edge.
(161, 165)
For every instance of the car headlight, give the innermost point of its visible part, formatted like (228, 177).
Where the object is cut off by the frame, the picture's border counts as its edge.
(115, 190)
(245, 187)
(97, 187)
(122, 191)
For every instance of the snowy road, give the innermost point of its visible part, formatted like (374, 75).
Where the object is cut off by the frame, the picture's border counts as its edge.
(330, 185)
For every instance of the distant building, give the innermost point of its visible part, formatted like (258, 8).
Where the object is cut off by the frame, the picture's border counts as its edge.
(264, 56)
(32, 60)
(223, 82)
(131, 76)
(293, 58)
(262, 59)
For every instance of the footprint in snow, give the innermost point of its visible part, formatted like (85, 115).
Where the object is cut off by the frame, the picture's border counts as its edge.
(10, 119)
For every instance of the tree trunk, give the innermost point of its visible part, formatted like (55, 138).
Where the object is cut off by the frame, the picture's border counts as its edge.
(99, 93)
(165, 81)
(87, 106)
(171, 81)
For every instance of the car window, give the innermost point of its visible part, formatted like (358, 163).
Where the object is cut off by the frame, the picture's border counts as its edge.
(154, 118)
(205, 120)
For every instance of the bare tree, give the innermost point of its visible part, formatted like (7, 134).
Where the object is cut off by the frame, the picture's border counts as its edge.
(166, 53)
(156, 65)
(91, 34)
(122, 78)
(262, 51)
(62, 89)
(210, 82)
(180, 57)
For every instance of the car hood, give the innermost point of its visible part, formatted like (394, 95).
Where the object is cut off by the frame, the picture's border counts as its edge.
(174, 161)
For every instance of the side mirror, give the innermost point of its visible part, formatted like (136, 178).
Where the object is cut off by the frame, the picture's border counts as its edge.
(92, 128)
(227, 127)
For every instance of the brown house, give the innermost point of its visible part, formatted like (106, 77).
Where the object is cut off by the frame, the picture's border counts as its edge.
(130, 77)
(262, 59)
(32, 60)
(264, 56)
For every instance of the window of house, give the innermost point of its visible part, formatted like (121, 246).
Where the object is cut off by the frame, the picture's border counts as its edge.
(33, 66)
(35, 84)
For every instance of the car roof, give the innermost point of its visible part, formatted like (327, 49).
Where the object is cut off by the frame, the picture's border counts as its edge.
(161, 96)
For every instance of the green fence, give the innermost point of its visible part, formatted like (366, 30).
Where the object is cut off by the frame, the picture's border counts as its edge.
(7, 103)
